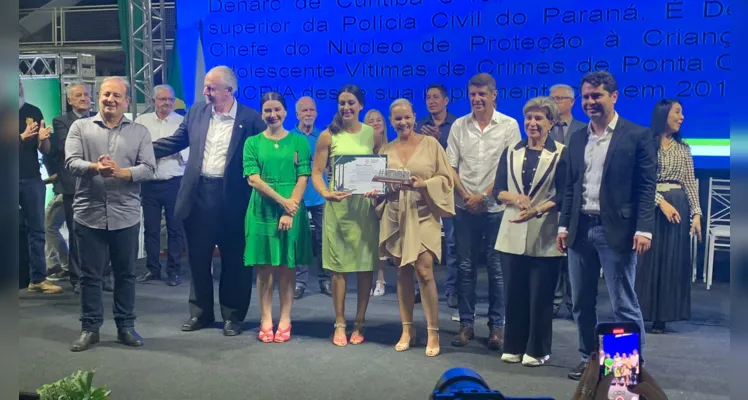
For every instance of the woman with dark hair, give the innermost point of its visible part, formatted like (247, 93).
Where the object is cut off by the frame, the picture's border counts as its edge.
(350, 227)
(278, 238)
(663, 276)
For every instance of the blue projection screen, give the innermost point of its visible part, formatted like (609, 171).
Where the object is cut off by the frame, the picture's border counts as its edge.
(395, 48)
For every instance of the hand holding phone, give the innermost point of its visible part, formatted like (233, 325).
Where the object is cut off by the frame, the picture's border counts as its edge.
(620, 357)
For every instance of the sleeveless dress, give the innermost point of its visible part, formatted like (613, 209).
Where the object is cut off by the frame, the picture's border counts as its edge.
(279, 168)
(351, 227)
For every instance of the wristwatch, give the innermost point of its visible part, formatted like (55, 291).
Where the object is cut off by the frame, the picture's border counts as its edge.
(486, 199)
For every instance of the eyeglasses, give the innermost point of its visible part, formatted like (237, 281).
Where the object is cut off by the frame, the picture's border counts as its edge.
(559, 98)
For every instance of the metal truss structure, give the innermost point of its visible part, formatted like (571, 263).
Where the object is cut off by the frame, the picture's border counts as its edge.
(68, 67)
(147, 50)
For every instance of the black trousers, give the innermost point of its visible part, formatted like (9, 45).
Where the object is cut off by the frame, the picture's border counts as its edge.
(74, 269)
(213, 222)
(157, 196)
(530, 284)
(96, 249)
(563, 287)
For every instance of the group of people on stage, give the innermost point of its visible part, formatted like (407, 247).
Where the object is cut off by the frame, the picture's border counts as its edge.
(624, 367)
(546, 212)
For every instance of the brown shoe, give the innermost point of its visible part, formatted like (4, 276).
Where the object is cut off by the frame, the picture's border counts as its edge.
(496, 339)
(45, 287)
(463, 336)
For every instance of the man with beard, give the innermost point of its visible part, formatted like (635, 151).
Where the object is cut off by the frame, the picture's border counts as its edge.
(475, 144)
(110, 155)
(306, 112)
(607, 215)
(213, 198)
(160, 193)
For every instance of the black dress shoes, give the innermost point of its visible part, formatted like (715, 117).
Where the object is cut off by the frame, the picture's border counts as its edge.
(129, 337)
(194, 324)
(231, 328)
(299, 292)
(325, 288)
(575, 374)
(148, 276)
(85, 341)
(173, 280)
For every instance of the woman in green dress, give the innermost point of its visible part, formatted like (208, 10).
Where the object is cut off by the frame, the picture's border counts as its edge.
(277, 225)
(351, 227)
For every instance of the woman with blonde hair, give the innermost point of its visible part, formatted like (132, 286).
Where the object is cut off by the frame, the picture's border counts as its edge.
(410, 220)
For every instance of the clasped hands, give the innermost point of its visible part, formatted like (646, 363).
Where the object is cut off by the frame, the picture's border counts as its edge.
(416, 183)
(107, 167)
(290, 207)
(527, 211)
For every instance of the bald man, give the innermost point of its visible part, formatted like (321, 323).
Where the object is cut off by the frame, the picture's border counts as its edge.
(306, 113)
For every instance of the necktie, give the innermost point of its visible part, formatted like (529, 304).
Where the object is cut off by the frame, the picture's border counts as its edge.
(557, 133)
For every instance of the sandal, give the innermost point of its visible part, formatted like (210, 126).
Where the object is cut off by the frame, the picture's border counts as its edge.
(357, 336)
(433, 351)
(341, 340)
(405, 346)
(265, 335)
(282, 335)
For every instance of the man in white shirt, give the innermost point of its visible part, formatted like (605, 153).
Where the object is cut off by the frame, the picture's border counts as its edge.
(474, 148)
(608, 211)
(213, 198)
(160, 193)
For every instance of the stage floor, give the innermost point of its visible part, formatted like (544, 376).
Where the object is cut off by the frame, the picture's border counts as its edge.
(688, 363)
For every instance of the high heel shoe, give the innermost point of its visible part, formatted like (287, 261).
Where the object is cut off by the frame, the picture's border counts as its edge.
(282, 335)
(405, 346)
(433, 351)
(357, 337)
(265, 335)
(341, 340)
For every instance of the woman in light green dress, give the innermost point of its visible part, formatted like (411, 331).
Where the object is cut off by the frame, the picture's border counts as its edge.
(351, 227)
(277, 225)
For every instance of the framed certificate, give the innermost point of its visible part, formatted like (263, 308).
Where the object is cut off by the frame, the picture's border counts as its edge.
(355, 174)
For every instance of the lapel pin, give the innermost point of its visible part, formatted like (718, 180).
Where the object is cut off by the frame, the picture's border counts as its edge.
(240, 126)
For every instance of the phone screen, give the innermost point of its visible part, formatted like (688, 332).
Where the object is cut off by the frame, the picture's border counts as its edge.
(619, 355)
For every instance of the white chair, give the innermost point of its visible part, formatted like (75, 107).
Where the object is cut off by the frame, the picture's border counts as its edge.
(717, 224)
(694, 249)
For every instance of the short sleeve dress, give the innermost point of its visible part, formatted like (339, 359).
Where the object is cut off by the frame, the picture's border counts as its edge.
(351, 227)
(278, 166)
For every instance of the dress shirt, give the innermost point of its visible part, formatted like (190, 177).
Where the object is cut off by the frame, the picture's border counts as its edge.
(108, 203)
(171, 166)
(594, 160)
(217, 142)
(476, 154)
(311, 196)
(444, 128)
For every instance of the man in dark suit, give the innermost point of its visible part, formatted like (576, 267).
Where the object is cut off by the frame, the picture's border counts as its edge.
(213, 198)
(564, 97)
(607, 214)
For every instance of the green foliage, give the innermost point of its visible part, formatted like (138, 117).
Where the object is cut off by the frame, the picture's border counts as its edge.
(77, 386)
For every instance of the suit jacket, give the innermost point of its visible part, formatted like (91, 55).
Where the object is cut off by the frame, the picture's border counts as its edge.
(574, 125)
(627, 189)
(536, 237)
(192, 133)
(61, 125)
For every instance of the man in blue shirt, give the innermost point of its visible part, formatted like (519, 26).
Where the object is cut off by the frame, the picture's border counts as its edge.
(437, 124)
(306, 112)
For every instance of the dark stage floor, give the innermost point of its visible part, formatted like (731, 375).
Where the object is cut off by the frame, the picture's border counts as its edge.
(688, 363)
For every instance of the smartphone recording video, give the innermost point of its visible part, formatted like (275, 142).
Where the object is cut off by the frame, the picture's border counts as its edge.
(620, 349)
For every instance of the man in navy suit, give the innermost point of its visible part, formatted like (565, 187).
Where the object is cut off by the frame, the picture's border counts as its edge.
(213, 198)
(608, 211)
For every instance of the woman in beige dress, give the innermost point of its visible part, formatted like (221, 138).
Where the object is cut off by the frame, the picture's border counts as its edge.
(375, 120)
(410, 226)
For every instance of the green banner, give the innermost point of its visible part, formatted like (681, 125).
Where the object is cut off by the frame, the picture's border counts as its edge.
(45, 94)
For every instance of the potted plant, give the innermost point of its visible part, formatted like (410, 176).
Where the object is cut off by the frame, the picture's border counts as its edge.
(78, 386)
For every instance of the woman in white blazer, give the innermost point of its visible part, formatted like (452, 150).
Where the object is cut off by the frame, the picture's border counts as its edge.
(530, 182)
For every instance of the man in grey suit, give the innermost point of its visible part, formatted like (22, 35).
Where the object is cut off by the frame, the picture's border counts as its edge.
(213, 198)
(564, 97)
